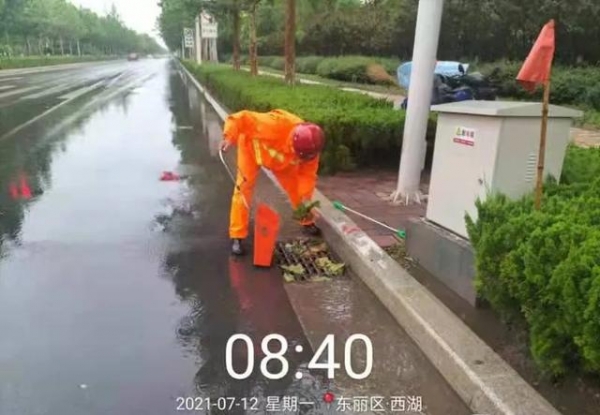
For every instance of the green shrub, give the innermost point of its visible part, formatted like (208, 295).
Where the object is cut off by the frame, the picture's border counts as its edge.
(277, 63)
(308, 64)
(593, 97)
(569, 85)
(343, 68)
(581, 165)
(351, 68)
(543, 267)
(360, 130)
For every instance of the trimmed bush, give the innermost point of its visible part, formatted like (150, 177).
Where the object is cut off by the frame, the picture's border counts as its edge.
(543, 267)
(361, 130)
(308, 64)
(350, 68)
(570, 86)
(343, 68)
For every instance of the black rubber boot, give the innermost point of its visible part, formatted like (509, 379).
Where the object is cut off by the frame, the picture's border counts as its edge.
(311, 230)
(236, 247)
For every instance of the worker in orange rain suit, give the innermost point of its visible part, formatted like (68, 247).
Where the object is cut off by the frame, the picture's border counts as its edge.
(281, 142)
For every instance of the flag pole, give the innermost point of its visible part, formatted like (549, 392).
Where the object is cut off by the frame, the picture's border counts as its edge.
(542, 150)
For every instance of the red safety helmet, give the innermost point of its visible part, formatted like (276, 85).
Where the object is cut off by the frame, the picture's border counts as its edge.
(308, 140)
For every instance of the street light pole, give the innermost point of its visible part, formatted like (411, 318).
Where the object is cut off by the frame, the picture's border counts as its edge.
(427, 33)
(198, 41)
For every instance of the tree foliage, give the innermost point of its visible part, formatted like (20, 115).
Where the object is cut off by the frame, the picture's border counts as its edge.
(487, 30)
(57, 27)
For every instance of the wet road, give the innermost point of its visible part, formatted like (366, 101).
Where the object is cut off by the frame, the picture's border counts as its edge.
(117, 293)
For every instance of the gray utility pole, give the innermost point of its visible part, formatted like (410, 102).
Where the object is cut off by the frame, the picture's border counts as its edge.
(429, 20)
(198, 41)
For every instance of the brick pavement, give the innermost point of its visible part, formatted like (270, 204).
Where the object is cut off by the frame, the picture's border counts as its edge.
(368, 192)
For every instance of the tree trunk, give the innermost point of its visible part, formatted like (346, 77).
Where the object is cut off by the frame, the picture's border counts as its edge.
(78, 48)
(290, 42)
(62, 47)
(71, 47)
(236, 39)
(28, 46)
(253, 47)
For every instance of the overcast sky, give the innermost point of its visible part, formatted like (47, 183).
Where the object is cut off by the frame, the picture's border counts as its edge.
(139, 15)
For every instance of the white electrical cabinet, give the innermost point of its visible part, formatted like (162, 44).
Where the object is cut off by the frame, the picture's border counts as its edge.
(484, 147)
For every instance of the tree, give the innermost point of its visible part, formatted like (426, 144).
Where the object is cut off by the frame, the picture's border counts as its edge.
(57, 24)
(290, 42)
(252, 4)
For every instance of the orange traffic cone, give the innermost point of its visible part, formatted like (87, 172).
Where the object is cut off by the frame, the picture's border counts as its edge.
(266, 230)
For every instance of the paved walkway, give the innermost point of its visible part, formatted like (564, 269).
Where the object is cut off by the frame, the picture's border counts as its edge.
(368, 192)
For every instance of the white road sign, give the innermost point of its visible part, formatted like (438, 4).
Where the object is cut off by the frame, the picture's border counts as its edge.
(188, 35)
(209, 30)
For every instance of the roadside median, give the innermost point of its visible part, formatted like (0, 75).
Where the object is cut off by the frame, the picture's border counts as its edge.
(44, 61)
(486, 383)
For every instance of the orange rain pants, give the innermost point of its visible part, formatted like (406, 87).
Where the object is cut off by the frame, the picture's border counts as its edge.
(264, 140)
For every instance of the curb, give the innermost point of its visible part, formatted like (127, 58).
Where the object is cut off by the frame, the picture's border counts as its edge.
(485, 382)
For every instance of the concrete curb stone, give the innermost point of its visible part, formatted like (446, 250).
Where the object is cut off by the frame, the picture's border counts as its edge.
(480, 377)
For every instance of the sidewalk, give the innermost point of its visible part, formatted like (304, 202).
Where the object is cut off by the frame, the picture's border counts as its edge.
(368, 192)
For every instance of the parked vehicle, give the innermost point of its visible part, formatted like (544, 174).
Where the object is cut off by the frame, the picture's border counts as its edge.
(133, 57)
(452, 83)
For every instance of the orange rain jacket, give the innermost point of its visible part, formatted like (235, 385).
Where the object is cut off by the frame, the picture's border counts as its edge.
(264, 140)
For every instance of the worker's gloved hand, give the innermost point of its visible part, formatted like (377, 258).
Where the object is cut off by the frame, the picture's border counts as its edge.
(224, 146)
(304, 210)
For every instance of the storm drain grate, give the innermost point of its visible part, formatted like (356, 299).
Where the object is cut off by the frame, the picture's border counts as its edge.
(307, 260)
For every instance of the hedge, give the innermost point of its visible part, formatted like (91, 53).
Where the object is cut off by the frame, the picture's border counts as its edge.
(32, 61)
(342, 68)
(543, 267)
(570, 85)
(360, 130)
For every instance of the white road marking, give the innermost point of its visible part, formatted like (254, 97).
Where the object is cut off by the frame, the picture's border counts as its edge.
(20, 91)
(55, 90)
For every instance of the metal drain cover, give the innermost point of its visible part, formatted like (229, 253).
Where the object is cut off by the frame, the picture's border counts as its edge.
(313, 257)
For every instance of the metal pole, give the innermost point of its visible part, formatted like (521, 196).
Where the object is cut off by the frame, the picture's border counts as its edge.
(198, 41)
(429, 20)
(539, 185)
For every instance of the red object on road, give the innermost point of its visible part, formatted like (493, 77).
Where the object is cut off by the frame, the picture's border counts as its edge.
(25, 189)
(328, 397)
(169, 176)
(537, 67)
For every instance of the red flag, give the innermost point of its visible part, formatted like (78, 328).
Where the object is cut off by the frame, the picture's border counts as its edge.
(537, 66)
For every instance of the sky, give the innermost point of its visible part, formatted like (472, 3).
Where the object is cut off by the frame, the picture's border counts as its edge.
(139, 15)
